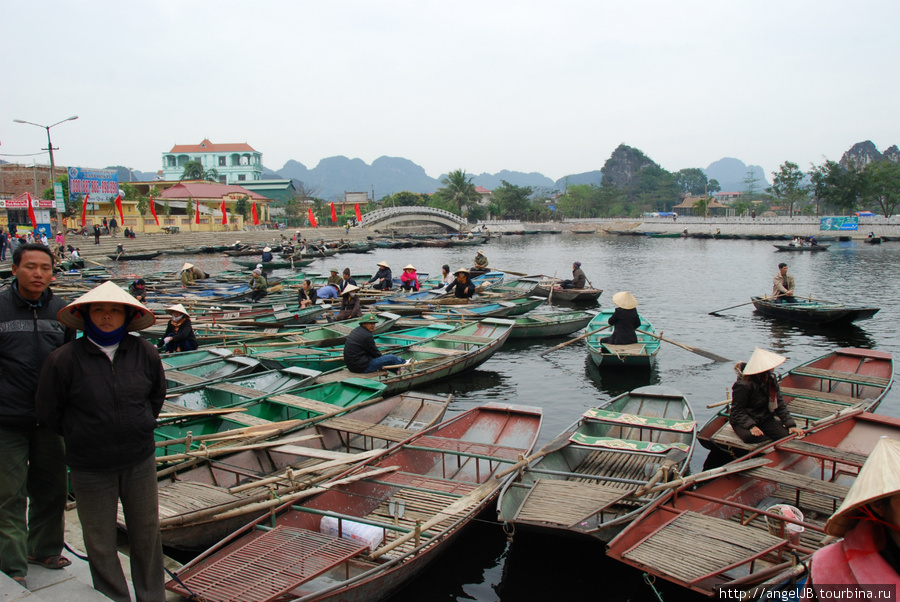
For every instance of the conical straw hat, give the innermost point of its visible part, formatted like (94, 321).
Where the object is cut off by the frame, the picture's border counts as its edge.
(266, 249)
(625, 300)
(106, 293)
(383, 264)
(187, 266)
(179, 308)
(763, 361)
(878, 478)
(410, 267)
(350, 288)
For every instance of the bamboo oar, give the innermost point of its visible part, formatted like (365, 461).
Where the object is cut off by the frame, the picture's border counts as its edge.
(552, 286)
(509, 272)
(557, 444)
(362, 456)
(716, 312)
(210, 412)
(570, 341)
(210, 453)
(718, 404)
(697, 350)
(709, 474)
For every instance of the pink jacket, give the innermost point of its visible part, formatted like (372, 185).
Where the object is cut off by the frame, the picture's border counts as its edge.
(406, 276)
(855, 559)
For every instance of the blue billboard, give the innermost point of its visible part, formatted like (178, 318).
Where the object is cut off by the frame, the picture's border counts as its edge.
(839, 223)
(101, 184)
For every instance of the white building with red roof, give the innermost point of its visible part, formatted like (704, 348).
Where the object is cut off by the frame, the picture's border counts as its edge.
(234, 162)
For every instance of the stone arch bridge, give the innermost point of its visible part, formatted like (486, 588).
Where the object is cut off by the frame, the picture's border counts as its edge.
(394, 215)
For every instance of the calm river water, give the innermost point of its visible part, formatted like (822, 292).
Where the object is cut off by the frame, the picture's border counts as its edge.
(676, 281)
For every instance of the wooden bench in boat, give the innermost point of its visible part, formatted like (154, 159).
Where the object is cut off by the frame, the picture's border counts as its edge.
(437, 350)
(726, 437)
(694, 547)
(620, 350)
(844, 377)
(824, 452)
(237, 390)
(473, 449)
(649, 447)
(566, 503)
(173, 408)
(820, 395)
(800, 482)
(636, 420)
(247, 419)
(304, 403)
(183, 378)
(368, 429)
(458, 338)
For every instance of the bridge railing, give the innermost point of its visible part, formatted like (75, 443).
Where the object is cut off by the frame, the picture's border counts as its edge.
(380, 214)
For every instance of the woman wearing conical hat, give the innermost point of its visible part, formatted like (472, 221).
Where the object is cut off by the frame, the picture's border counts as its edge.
(758, 411)
(103, 393)
(179, 334)
(625, 320)
(409, 280)
(869, 522)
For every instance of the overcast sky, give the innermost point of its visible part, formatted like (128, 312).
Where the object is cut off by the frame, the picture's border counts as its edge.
(549, 87)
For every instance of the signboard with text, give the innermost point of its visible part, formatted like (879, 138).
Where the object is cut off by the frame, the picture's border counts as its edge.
(101, 184)
(839, 223)
(59, 198)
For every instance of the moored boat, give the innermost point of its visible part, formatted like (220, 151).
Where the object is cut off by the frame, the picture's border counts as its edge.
(799, 248)
(537, 326)
(134, 256)
(637, 355)
(809, 311)
(275, 265)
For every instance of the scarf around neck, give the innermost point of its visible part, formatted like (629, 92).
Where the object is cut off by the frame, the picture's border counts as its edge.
(105, 339)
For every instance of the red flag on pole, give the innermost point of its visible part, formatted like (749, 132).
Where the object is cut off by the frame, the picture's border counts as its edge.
(312, 219)
(84, 209)
(224, 216)
(197, 213)
(358, 214)
(31, 213)
(153, 210)
(255, 215)
(333, 213)
(119, 207)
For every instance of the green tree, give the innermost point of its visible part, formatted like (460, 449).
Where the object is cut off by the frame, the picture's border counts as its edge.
(167, 209)
(193, 170)
(691, 181)
(189, 210)
(458, 191)
(242, 207)
(836, 187)
(788, 186)
(514, 201)
(48, 195)
(741, 208)
(405, 199)
(713, 186)
(882, 186)
(751, 186)
(701, 207)
(143, 205)
(475, 213)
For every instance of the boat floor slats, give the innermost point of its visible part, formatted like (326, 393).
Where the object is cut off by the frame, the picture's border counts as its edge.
(433, 484)
(565, 503)
(181, 497)
(271, 565)
(458, 338)
(815, 394)
(437, 350)
(814, 408)
(799, 481)
(247, 419)
(694, 545)
(368, 429)
(237, 390)
(622, 465)
(183, 378)
(442, 444)
(340, 328)
(846, 377)
(823, 451)
(173, 408)
(304, 403)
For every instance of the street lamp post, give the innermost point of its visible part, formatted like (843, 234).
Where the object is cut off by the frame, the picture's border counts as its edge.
(50, 149)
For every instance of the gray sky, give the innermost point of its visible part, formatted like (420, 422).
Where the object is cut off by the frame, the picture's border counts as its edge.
(551, 87)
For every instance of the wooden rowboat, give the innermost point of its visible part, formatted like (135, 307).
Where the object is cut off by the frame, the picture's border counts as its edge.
(232, 391)
(845, 378)
(567, 295)
(275, 265)
(797, 248)
(725, 533)
(816, 312)
(537, 326)
(588, 485)
(405, 508)
(319, 335)
(134, 256)
(193, 375)
(638, 355)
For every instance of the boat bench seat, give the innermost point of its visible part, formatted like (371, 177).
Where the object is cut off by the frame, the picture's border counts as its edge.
(237, 390)
(631, 349)
(566, 503)
(727, 438)
(801, 482)
(437, 350)
(648, 422)
(183, 378)
(820, 395)
(845, 377)
(304, 403)
(458, 338)
(367, 429)
(247, 419)
(825, 452)
(627, 444)
(459, 447)
(173, 408)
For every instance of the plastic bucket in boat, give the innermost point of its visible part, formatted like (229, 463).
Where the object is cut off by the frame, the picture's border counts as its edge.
(783, 528)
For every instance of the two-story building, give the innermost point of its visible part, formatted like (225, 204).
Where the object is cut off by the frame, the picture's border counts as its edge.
(234, 163)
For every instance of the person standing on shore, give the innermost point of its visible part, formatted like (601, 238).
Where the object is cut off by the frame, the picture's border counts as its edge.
(783, 285)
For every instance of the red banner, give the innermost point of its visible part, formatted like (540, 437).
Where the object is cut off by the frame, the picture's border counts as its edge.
(119, 207)
(197, 213)
(224, 215)
(312, 219)
(31, 215)
(84, 209)
(152, 211)
(255, 215)
(358, 214)
(333, 213)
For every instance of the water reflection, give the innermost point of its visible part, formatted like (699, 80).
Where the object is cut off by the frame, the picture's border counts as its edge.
(783, 334)
(614, 382)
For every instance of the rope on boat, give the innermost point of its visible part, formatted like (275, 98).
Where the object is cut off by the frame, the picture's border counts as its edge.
(651, 580)
(191, 594)
(510, 530)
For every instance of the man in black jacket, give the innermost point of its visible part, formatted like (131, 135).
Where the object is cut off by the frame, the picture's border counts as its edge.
(360, 351)
(34, 473)
(462, 288)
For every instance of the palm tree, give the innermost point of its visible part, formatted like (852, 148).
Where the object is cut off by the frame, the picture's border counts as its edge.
(193, 170)
(459, 190)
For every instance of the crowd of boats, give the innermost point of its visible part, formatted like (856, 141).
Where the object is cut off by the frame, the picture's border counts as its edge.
(294, 478)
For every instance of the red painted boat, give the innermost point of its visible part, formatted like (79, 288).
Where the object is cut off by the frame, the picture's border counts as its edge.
(845, 378)
(729, 532)
(371, 529)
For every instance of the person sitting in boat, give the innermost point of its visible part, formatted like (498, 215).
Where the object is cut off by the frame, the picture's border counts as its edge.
(783, 285)
(350, 304)
(481, 260)
(120, 249)
(267, 255)
(758, 410)
(813, 242)
(346, 280)
(329, 291)
(871, 235)
(190, 274)
(625, 320)
(360, 351)
(237, 246)
(138, 290)
(383, 278)
(179, 334)
(869, 523)
(306, 297)
(409, 280)
(259, 288)
(335, 277)
(462, 287)
(578, 278)
(446, 277)
(74, 253)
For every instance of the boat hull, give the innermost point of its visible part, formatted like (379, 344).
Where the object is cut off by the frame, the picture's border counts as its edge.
(817, 313)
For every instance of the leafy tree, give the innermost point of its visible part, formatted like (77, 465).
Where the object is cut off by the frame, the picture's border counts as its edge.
(143, 205)
(701, 207)
(741, 208)
(788, 185)
(476, 212)
(405, 199)
(514, 201)
(167, 209)
(193, 170)
(189, 210)
(883, 186)
(713, 186)
(242, 207)
(48, 195)
(751, 186)
(691, 181)
(836, 187)
(458, 191)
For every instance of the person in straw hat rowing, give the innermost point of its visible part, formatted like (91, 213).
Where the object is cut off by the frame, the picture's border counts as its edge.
(103, 393)
(383, 278)
(869, 522)
(462, 287)
(179, 335)
(625, 320)
(758, 410)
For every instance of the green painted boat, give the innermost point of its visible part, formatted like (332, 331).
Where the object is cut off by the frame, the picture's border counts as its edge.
(274, 265)
(235, 390)
(640, 355)
(207, 372)
(523, 305)
(190, 358)
(540, 326)
(319, 335)
(301, 404)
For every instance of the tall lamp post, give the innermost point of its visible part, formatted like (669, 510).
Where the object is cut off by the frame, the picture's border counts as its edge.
(51, 149)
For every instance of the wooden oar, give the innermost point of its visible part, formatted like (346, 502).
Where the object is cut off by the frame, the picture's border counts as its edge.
(697, 350)
(552, 286)
(560, 442)
(712, 473)
(718, 404)
(210, 412)
(94, 262)
(218, 451)
(570, 341)
(716, 312)
(509, 272)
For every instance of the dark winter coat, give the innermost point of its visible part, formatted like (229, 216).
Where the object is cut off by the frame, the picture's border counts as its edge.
(360, 349)
(624, 323)
(180, 332)
(750, 403)
(460, 290)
